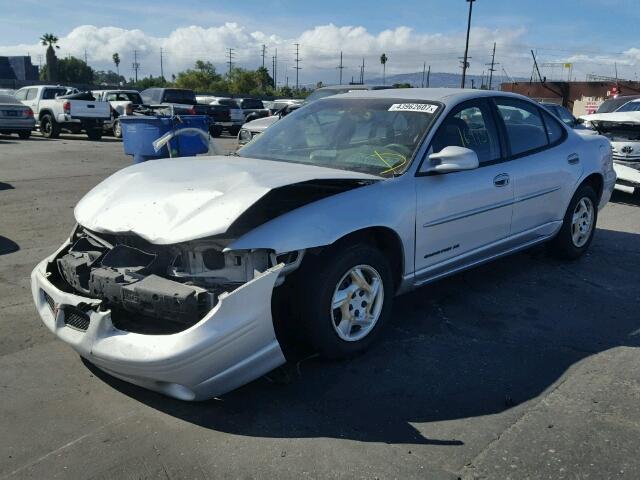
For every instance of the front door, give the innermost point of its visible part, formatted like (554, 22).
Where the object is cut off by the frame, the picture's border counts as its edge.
(463, 214)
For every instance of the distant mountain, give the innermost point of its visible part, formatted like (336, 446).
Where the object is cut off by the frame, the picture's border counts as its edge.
(438, 79)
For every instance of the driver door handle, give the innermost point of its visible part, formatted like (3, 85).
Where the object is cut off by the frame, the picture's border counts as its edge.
(501, 180)
(573, 159)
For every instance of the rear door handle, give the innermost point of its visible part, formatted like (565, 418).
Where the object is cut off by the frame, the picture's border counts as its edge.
(501, 180)
(573, 159)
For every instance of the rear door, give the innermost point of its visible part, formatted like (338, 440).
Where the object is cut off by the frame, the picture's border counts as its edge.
(545, 166)
(463, 214)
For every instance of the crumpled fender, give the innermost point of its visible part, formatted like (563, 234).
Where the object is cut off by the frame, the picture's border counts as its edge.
(389, 204)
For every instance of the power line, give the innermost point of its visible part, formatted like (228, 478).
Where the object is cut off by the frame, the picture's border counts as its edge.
(340, 67)
(297, 67)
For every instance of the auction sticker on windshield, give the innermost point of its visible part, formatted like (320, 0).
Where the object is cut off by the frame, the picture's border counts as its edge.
(413, 107)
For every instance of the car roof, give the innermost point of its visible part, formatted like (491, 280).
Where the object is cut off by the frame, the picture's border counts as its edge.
(444, 95)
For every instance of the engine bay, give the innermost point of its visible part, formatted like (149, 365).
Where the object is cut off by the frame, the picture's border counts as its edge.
(154, 288)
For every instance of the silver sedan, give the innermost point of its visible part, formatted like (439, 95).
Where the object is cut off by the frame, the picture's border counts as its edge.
(15, 117)
(189, 276)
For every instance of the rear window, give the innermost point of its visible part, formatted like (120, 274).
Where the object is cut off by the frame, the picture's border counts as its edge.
(252, 103)
(51, 93)
(229, 103)
(613, 104)
(8, 99)
(179, 96)
(633, 106)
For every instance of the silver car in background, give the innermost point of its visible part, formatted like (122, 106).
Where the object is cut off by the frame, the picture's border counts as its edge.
(190, 276)
(15, 117)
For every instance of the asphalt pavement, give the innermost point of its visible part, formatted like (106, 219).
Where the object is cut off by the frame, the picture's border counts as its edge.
(524, 368)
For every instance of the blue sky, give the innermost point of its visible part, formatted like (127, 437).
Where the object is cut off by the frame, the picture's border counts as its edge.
(593, 34)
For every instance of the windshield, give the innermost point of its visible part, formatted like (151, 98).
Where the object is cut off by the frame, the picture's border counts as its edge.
(375, 136)
(229, 103)
(324, 92)
(613, 104)
(632, 106)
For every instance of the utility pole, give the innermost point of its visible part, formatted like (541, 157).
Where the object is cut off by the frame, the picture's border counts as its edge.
(340, 67)
(264, 51)
(135, 65)
(275, 70)
(230, 62)
(362, 72)
(297, 67)
(424, 67)
(493, 64)
(428, 75)
(161, 64)
(85, 56)
(465, 62)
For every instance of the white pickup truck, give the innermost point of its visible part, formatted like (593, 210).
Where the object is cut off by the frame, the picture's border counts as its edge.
(54, 114)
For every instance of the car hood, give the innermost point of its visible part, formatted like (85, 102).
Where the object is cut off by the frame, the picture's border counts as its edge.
(614, 117)
(176, 200)
(261, 124)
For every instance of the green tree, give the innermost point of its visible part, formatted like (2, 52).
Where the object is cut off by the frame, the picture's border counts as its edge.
(116, 60)
(49, 40)
(253, 82)
(149, 82)
(383, 61)
(108, 78)
(203, 77)
(70, 70)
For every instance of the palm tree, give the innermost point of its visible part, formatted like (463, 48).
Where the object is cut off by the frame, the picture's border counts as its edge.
(49, 40)
(116, 60)
(383, 61)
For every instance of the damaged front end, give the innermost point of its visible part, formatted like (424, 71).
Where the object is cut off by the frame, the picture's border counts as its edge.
(625, 142)
(156, 289)
(189, 320)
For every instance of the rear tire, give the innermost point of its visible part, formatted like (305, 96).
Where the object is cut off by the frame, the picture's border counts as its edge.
(341, 308)
(49, 127)
(578, 226)
(25, 134)
(94, 134)
(215, 131)
(233, 131)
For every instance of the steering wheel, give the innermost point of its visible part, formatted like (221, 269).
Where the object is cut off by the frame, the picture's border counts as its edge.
(399, 148)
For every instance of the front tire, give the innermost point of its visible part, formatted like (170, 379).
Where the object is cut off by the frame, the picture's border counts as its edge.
(49, 127)
(578, 226)
(346, 295)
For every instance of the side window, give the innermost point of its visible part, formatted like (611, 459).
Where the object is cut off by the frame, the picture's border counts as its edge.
(112, 97)
(523, 122)
(555, 132)
(470, 126)
(31, 93)
(21, 94)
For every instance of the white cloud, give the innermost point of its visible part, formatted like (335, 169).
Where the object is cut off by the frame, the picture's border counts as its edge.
(319, 49)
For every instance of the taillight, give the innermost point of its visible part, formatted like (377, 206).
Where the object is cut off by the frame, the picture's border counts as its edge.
(66, 106)
(28, 113)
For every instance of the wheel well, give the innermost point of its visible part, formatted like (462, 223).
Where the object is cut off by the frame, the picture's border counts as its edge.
(597, 183)
(387, 241)
(43, 113)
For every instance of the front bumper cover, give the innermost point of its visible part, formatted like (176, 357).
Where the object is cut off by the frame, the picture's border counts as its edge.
(232, 345)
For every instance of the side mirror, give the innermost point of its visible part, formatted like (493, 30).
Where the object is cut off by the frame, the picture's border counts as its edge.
(451, 159)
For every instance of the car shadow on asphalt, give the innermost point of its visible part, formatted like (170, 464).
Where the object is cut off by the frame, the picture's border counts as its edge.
(625, 198)
(475, 344)
(8, 246)
(5, 186)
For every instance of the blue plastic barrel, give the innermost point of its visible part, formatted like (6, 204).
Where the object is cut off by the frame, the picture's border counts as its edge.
(140, 131)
